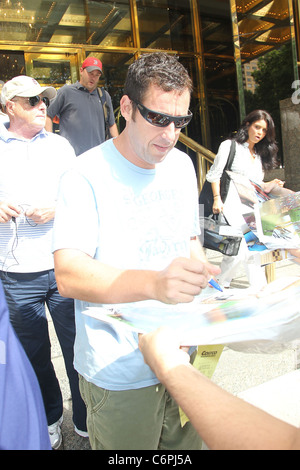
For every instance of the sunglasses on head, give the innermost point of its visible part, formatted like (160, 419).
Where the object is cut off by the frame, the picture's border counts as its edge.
(163, 120)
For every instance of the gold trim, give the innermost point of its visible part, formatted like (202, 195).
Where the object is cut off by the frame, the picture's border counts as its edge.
(205, 128)
(135, 24)
(237, 57)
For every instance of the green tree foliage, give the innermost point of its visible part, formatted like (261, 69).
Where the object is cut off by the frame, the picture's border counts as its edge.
(274, 77)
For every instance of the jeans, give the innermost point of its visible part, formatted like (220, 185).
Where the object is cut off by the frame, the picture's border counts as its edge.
(26, 295)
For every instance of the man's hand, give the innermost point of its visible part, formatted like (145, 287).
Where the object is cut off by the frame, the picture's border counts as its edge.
(183, 279)
(40, 215)
(8, 210)
(218, 205)
(162, 352)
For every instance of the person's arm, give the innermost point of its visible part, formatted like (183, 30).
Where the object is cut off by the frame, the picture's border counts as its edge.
(49, 124)
(275, 187)
(82, 277)
(215, 173)
(196, 250)
(197, 253)
(223, 421)
(217, 200)
(114, 130)
(296, 254)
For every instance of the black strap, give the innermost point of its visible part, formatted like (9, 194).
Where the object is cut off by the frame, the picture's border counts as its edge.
(105, 107)
(230, 156)
(225, 179)
(217, 218)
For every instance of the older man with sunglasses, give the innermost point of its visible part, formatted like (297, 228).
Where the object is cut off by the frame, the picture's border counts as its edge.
(126, 233)
(32, 162)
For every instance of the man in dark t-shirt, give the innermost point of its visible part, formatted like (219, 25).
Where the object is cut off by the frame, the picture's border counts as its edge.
(81, 111)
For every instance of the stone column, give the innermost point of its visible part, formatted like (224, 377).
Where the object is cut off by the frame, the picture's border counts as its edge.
(290, 125)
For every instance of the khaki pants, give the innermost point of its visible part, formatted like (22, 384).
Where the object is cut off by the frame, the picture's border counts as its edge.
(142, 419)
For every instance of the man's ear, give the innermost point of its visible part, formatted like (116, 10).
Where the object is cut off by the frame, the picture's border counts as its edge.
(9, 108)
(126, 108)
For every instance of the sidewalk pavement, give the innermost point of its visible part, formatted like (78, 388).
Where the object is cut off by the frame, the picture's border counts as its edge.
(269, 381)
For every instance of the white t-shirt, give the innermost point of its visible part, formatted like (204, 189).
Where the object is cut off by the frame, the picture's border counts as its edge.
(130, 218)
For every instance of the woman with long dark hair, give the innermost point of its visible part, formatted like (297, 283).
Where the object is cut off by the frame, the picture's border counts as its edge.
(256, 152)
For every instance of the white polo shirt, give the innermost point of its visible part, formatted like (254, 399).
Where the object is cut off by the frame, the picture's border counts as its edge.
(29, 176)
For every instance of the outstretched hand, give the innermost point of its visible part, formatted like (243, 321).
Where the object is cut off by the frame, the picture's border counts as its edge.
(162, 351)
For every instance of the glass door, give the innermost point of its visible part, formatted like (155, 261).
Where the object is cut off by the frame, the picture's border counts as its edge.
(52, 68)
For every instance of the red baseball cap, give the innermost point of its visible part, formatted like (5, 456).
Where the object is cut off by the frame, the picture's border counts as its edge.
(92, 63)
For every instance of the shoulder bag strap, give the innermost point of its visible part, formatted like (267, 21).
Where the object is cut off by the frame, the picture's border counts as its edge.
(225, 179)
(230, 156)
(102, 96)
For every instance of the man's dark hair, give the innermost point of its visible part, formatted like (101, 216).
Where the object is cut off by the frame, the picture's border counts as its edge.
(159, 69)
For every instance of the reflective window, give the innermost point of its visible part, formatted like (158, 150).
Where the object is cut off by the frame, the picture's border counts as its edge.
(263, 26)
(265, 44)
(51, 72)
(11, 65)
(193, 130)
(102, 23)
(165, 24)
(225, 60)
(219, 70)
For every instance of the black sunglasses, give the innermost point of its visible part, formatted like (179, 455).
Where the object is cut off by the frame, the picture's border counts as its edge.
(163, 120)
(34, 100)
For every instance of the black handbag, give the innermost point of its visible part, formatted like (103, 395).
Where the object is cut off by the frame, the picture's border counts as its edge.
(220, 236)
(206, 198)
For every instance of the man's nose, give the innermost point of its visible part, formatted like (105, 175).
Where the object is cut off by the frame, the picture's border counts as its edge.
(170, 131)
